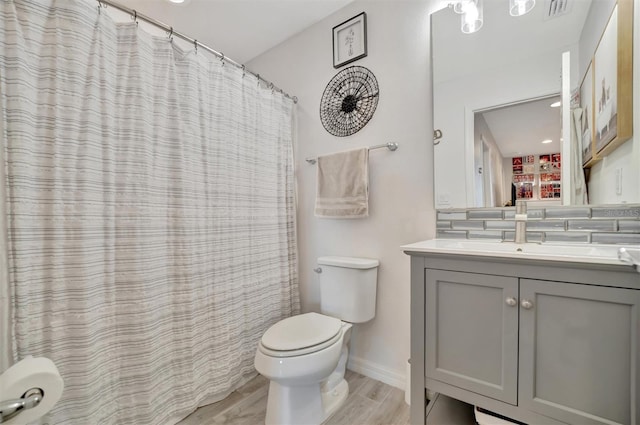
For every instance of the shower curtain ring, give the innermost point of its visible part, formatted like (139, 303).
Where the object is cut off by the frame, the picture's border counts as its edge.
(244, 71)
(195, 46)
(170, 33)
(222, 58)
(258, 77)
(135, 16)
(271, 87)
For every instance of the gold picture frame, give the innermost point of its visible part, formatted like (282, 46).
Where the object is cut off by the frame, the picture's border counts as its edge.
(612, 63)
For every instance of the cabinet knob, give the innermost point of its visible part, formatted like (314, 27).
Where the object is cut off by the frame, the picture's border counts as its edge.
(526, 304)
(512, 302)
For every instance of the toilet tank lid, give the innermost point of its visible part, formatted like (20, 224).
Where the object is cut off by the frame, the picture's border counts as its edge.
(349, 262)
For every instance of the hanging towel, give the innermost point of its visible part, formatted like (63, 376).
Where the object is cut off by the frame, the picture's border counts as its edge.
(578, 182)
(343, 185)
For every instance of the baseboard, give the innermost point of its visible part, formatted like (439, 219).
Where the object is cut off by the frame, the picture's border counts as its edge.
(377, 372)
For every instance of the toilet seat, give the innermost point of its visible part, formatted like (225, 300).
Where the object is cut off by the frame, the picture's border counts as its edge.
(299, 335)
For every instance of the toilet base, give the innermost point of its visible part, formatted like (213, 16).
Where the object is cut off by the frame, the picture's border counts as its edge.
(306, 401)
(334, 399)
(303, 405)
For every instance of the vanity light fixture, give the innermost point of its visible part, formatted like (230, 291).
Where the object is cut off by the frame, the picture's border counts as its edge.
(459, 6)
(547, 141)
(556, 104)
(472, 16)
(520, 7)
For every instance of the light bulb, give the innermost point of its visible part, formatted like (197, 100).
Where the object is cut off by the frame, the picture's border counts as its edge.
(472, 18)
(520, 7)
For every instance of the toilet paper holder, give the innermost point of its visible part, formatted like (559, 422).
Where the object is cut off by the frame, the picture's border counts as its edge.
(11, 408)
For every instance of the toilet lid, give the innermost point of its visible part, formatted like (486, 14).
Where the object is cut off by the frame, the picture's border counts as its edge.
(304, 330)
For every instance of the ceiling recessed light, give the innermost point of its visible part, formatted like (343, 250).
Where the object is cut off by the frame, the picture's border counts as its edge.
(547, 141)
(176, 1)
(553, 105)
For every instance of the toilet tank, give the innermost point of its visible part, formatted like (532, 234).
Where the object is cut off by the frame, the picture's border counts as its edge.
(348, 288)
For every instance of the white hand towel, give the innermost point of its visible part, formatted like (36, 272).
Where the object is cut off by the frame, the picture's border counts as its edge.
(343, 185)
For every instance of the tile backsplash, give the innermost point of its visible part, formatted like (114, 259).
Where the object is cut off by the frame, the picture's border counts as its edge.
(611, 224)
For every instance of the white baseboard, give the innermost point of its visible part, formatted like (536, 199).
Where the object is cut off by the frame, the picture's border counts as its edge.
(377, 372)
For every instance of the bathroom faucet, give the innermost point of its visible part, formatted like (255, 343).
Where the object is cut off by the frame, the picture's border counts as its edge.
(521, 222)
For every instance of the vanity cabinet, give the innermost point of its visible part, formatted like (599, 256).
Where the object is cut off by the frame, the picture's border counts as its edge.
(578, 352)
(537, 342)
(471, 335)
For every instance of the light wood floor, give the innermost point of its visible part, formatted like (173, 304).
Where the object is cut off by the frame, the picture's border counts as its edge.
(370, 402)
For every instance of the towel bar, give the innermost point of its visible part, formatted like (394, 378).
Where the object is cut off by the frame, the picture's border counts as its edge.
(392, 146)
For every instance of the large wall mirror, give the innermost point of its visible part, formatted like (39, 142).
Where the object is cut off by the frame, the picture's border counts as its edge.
(497, 101)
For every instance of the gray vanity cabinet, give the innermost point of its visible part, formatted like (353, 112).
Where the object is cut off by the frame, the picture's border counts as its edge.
(539, 342)
(471, 333)
(578, 351)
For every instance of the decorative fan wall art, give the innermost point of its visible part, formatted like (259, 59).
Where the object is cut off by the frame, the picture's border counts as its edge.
(349, 101)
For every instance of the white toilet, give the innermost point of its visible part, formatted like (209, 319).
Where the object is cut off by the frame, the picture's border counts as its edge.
(305, 356)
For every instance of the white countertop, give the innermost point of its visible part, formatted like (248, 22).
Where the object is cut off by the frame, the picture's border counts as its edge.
(579, 253)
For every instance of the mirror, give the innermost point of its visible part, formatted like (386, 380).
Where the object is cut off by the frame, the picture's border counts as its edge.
(494, 88)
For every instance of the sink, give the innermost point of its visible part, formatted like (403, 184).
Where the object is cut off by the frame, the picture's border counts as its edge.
(587, 253)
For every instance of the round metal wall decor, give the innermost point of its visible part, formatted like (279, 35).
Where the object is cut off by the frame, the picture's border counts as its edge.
(349, 101)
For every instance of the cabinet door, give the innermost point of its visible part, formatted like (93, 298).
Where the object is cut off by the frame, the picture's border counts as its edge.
(579, 352)
(471, 332)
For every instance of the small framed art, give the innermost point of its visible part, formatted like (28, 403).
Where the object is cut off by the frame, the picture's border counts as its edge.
(350, 40)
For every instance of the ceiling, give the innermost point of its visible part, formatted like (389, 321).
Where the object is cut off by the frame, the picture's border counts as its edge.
(520, 129)
(241, 29)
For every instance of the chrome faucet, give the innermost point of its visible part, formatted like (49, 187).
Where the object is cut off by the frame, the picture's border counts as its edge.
(521, 222)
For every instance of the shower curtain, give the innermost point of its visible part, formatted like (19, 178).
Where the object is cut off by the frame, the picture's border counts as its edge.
(150, 213)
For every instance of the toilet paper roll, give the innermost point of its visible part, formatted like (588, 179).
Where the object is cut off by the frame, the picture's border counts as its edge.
(31, 372)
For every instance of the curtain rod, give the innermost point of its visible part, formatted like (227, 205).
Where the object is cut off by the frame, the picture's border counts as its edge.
(169, 29)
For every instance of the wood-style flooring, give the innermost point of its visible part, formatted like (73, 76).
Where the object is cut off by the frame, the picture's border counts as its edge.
(370, 402)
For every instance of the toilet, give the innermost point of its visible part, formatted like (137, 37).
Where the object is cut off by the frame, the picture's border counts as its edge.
(305, 356)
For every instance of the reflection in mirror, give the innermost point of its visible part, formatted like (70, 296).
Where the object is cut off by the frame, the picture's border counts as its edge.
(510, 61)
(517, 153)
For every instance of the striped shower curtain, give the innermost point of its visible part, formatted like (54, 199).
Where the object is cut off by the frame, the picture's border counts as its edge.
(150, 215)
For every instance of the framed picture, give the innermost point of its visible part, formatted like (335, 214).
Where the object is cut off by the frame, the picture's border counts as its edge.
(350, 40)
(524, 190)
(613, 90)
(586, 104)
